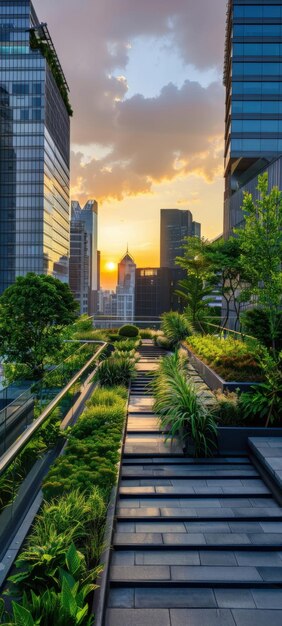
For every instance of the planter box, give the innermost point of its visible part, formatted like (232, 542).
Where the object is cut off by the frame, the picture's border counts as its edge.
(211, 378)
(233, 440)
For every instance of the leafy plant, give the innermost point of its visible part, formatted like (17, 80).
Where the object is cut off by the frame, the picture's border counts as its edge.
(265, 400)
(65, 602)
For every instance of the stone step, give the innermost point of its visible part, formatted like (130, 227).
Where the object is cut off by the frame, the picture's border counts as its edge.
(130, 575)
(192, 617)
(242, 461)
(197, 598)
(152, 511)
(203, 557)
(187, 473)
(224, 540)
(190, 491)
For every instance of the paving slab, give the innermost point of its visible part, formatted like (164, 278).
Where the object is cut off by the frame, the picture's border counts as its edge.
(168, 598)
(140, 572)
(234, 599)
(250, 617)
(267, 599)
(215, 573)
(168, 557)
(200, 617)
(138, 617)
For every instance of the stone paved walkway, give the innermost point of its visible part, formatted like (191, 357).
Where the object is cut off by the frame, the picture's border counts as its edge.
(197, 542)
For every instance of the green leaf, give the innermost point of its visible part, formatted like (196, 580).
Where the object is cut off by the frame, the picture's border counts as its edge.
(22, 616)
(68, 602)
(73, 559)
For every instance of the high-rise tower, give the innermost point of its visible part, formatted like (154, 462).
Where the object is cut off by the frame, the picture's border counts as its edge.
(176, 225)
(88, 215)
(253, 81)
(34, 148)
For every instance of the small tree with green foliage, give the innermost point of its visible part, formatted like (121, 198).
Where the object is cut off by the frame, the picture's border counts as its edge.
(225, 259)
(33, 312)
(261, 251)
(196, 288)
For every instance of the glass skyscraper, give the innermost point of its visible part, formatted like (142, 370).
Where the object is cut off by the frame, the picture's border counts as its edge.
(34, 148)
(176, 225)
(253, 81)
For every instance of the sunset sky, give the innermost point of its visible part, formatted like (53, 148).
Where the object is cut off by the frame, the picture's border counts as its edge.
(147, 132)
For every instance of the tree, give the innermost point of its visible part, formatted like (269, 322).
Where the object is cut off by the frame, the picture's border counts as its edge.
(261, 251)
(197, 287)
(225, 259)
(32, 313)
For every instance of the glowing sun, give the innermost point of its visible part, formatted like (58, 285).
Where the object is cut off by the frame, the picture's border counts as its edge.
(110, 266)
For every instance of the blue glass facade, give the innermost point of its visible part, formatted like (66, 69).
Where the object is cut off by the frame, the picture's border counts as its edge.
(253, 80)
(34, 153)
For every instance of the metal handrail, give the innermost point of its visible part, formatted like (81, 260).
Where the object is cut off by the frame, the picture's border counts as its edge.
(229, 330)
(7, 459)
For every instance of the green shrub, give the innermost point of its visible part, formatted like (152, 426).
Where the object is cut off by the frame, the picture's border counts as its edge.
(181, 410)
(115, 371)
(228, 410)
(255, 322)
(175, 327)
(163, 342)
(129, 330)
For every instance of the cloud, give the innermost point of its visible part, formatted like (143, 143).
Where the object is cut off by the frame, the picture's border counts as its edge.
(149, 139)
(157, 139)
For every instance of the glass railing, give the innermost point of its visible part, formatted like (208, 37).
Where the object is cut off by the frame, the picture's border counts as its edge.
(27, 459)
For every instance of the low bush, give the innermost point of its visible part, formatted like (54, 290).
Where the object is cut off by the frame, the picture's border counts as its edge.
(175, 327)
(146, 333)
(129, 330)
(116, 370)
(232, 359)
(228, 410)
(163, 342)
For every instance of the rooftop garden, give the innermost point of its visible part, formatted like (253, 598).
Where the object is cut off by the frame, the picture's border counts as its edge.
(41, 40)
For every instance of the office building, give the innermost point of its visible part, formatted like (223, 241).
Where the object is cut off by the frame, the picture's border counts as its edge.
(34, 148)
(79, 265)
(155, 292)
(253, 82)
(88, 215)
(176, 225)
(125, 291)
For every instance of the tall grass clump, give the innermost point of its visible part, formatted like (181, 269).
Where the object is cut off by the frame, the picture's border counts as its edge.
(180, 409)
(175, 327)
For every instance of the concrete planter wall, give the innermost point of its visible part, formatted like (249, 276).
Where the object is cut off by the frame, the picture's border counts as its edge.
(211, 378)
(233, 440)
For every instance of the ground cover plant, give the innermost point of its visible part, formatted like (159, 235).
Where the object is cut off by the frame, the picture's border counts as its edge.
(232, 359)
(181, 409)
